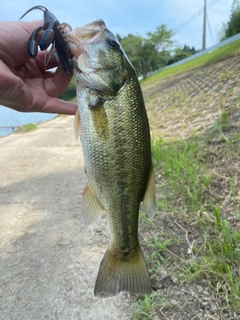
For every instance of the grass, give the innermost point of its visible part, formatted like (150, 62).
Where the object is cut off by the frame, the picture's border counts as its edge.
(195, 192)
(181, 164)
(146, 307)
(212, 57)
(198, 183)
(219, 261)
(156, 252)
(27, 128)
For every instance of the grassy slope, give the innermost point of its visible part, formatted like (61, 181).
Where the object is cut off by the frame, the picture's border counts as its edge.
(212, 57)
(194, 118)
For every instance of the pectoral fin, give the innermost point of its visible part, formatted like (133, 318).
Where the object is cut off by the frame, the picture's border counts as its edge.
(149, 200)
(77, 124)
(91, 208)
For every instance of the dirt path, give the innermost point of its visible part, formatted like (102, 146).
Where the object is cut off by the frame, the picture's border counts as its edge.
(48, 258)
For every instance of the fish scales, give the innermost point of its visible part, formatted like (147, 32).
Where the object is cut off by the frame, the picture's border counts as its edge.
(120, 161)
(117, 155)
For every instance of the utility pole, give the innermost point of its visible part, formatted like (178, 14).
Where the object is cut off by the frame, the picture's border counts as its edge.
(204, 25)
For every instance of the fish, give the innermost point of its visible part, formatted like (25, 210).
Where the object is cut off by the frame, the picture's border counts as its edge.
(112, 123)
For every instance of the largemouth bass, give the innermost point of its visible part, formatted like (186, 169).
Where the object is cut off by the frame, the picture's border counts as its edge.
(115, 140)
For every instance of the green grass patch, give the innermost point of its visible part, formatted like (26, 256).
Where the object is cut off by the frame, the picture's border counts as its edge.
(219, 261)
(179, 162)
(156, 253)
(198, 194)
(146, 307)
(27, 128)
(191, 185)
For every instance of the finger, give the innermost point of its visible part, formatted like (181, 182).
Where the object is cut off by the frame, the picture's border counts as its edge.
(55, 105)
(56, 85)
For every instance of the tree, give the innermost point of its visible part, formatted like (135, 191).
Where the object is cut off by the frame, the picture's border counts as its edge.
(132, 45)
(161, 38)
(148, 54)
(140, 52)
(189, 50)
(149, 58)
(180, 54)
(233, 25)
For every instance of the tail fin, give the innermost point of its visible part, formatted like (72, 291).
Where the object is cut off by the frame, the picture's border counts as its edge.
(120, 273)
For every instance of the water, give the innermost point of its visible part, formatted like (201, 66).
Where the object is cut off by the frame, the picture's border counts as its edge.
(11, 119)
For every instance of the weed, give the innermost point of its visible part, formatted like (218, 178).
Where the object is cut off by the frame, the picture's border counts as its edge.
(222, 124)
(144, 218)
(232, 184)
(158, 246)
(231, 89)
(186, 177)
(220, 261)
(198, 182)
(179, 163)
(60, 115)
(227, 243)
(146, 306)
(26, 128)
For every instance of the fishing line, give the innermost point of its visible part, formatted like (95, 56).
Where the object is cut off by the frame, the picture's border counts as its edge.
(194, 16)
(210, 31)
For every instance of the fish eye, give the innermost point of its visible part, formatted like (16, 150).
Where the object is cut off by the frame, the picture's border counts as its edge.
(112, 43)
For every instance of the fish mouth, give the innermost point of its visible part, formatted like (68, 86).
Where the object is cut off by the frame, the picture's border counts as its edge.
(79, 39)
(89, 33)
(86, 66)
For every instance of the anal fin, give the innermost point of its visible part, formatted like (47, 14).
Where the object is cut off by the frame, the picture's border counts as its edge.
(149, 200)
(91, 208)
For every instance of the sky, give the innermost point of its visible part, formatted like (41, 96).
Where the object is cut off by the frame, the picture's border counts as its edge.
(137, 17)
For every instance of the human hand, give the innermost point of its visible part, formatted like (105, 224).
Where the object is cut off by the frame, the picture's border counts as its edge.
(25, 85)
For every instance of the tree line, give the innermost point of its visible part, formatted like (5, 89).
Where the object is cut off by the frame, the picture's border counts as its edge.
(157, 50)
(232, 27)
(146, 54)
(153, 51)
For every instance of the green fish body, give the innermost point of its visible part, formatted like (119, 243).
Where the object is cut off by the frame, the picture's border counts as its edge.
(115, 140)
